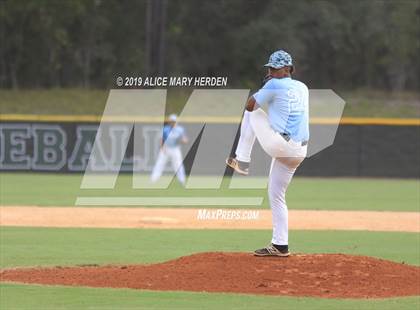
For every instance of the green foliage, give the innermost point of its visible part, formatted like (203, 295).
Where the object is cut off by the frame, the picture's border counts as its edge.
(88, 43)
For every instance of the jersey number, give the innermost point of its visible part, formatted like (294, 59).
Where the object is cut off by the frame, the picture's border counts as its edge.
(295, 101)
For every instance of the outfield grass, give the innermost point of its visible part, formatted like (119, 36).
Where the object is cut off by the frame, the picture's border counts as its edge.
(360, 103)
(45, 189)
(53, 101)
(71, 246)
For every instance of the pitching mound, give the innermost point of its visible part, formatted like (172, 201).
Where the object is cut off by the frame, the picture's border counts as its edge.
(322, 275)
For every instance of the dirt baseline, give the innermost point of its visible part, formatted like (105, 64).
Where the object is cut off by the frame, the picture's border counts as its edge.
(321, 275)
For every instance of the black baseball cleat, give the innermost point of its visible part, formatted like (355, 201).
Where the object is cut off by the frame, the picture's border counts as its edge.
(271, 250)
(240, 167)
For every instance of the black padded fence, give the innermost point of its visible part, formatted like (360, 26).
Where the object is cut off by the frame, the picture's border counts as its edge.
(358, 150)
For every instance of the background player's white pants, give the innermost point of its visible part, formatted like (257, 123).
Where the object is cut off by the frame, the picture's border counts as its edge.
(174, 155)
(287, 156)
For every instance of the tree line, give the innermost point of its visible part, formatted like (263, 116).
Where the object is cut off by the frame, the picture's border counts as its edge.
(88, 43)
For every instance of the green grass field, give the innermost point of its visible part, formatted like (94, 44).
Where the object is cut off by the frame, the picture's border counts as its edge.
(47, 189)
(70, 246)
(58, 246)
(56, 297)
(33, 246)
(360, 103)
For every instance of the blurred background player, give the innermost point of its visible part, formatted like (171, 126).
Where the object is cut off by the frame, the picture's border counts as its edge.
(172, 137)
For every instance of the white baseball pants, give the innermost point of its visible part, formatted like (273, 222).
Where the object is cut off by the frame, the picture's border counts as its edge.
(287, 156)
(174, 155)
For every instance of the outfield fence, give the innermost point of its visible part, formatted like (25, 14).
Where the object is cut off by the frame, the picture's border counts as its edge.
(370, 147)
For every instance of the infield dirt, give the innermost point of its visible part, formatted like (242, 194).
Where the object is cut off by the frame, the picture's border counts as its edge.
(321, 275)
(187, 218)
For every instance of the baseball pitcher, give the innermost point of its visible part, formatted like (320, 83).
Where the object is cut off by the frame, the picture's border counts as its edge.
(173, 135)
(283, 134)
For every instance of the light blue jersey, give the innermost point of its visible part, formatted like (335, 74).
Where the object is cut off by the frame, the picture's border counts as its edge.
(172, 136)
(288, 106)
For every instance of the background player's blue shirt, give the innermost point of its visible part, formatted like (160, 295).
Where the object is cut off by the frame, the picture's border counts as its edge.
(172, 136)
(288, 105)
